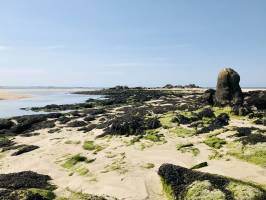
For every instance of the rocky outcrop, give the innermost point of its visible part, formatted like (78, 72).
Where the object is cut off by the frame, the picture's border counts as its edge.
(28, 123)
(257, 99)
(186, 184)
(228, 91)
(26, 185)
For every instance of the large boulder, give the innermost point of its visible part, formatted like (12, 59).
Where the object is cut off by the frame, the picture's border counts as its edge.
(228, 91)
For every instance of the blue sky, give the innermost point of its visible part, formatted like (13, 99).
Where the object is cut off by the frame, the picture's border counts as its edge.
(131, 42)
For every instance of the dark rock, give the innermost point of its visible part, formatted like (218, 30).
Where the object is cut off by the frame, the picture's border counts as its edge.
(228, 91)
(168, 86)
(64, 119)
(13, 147)
(152, 123)
(181, 119)
(120, 87)
(180, 178)
(126, 125)
(253, 139)
(25, 149)
(20, 195)
(88, 128)
(77, 124)
(76, 113)
(29, 123)
(219, 122)
(138, 95)
(257, 99)
(206, 112)
(200, 165)
(241, 110)
(243, 131)
(54, 115)
(30, 134)
(26, 179)
(89, 118)
(191, 86)
(5, 124)
(102, 119)
(56, 130)
(163, 109)
(56, 108)
(208, 97)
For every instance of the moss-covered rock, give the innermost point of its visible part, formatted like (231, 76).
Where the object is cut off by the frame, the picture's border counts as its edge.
(203, 190)
(186, 184)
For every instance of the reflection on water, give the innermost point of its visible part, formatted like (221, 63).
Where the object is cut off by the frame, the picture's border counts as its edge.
(39, 97)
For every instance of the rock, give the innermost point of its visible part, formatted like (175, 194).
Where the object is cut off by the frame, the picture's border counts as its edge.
(243, 131)
(77, 124)
(25, 149)
(5, 124)
(25, 179)
(228, 91)
(168, 86)
(55, 130)
(26, 185)
(120, 87)
(152, 123)
(89, 118)
(241, 110)
(206, 112)
(88, 128)
(29, 123)
(64, 120)
(181, 119)
(126, 125)
(219, 122)
(208, 97)
(55, 108)
(191, 86)
(186, 184)
(257, 99)
(200, 165)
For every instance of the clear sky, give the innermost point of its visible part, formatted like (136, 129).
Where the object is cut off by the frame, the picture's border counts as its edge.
(131, 42)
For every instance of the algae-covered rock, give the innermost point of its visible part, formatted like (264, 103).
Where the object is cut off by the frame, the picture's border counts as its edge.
(228, 91)
(203, 189)
(186, 184)
(26, 179)
(25, 185)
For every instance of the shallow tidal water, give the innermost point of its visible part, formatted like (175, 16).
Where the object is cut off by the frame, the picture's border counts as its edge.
(38, 98)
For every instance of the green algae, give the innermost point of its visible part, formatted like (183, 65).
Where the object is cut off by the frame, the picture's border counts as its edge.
(214, 142)
(255, 154)
(167, 189)
(188, 148)
(203, 190)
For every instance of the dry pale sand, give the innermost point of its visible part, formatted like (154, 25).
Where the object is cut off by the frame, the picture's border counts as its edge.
(8, 95)
(127, 179)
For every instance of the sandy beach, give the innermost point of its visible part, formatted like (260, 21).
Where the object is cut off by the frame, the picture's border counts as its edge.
(9, 95)
(125, 167)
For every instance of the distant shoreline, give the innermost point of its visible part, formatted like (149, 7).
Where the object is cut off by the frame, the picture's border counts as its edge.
(8, 95)
(16, 93)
